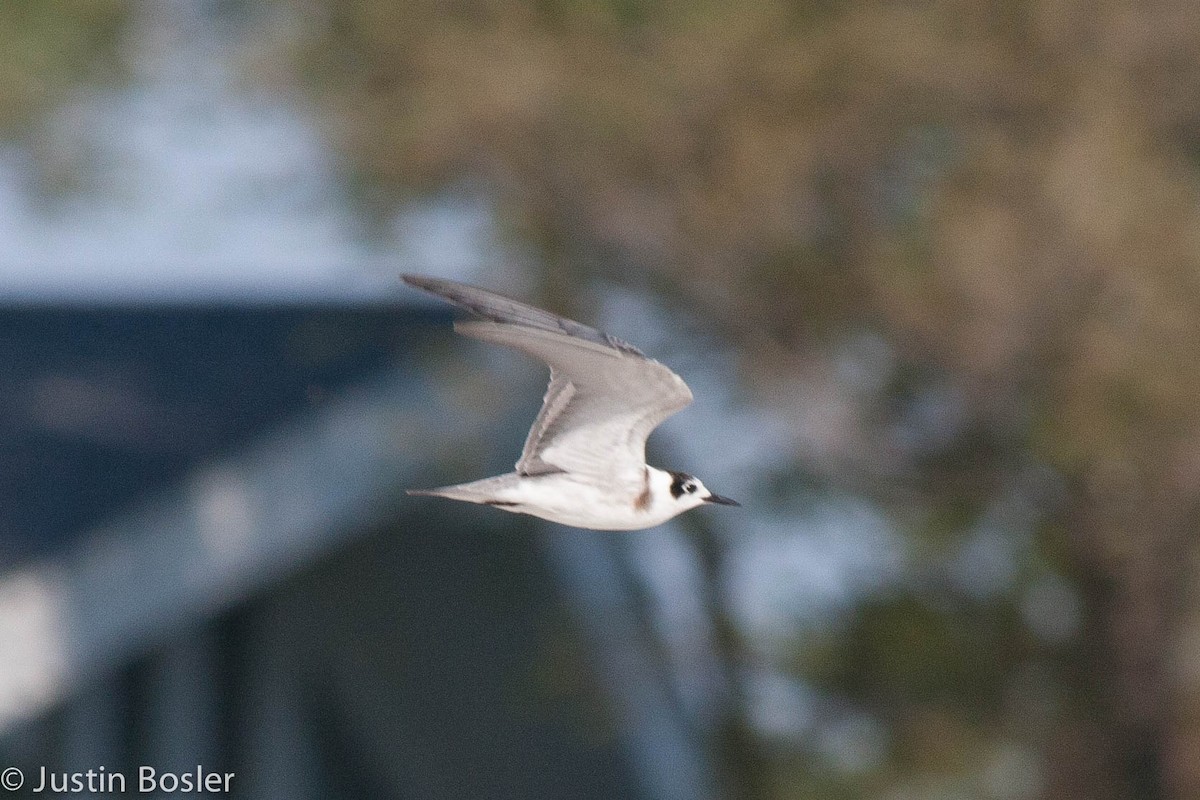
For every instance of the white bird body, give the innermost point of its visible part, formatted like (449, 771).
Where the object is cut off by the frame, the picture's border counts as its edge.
(571, 500)
(584, 461)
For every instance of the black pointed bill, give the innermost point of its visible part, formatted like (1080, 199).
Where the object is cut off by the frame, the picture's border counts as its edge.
(721, 501)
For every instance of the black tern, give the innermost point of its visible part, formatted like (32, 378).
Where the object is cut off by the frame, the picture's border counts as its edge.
(584, 461)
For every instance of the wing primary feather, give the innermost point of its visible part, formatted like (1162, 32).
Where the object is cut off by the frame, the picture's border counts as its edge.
(498, 308)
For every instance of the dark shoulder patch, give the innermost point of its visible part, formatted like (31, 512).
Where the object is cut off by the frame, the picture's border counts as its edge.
(642, 501)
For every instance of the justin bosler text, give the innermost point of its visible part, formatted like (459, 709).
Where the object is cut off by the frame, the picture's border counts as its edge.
(102, 781)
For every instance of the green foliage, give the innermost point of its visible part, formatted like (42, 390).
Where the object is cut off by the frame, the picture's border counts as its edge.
(49, 48)
(908, 652)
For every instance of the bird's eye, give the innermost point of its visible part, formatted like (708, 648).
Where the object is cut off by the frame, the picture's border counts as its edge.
(690, 488)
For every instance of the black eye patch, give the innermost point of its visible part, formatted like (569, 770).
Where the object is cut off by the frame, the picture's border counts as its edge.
(681, 482)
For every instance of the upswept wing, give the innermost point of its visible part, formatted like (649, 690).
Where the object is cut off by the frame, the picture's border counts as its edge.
(498, 308)
(604, 399)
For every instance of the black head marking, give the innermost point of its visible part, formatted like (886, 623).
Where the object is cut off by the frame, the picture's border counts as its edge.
(681, 484)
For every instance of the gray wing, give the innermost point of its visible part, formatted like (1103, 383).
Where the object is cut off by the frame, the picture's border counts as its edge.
(499, 308)
(601, 405)
(604, 399)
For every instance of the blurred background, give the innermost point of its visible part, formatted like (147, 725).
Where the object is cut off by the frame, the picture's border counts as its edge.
(931, 268)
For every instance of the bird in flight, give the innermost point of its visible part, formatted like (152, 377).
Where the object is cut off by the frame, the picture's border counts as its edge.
(584, 461)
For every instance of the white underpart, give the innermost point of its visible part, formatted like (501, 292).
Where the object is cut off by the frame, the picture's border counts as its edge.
(582, 503)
